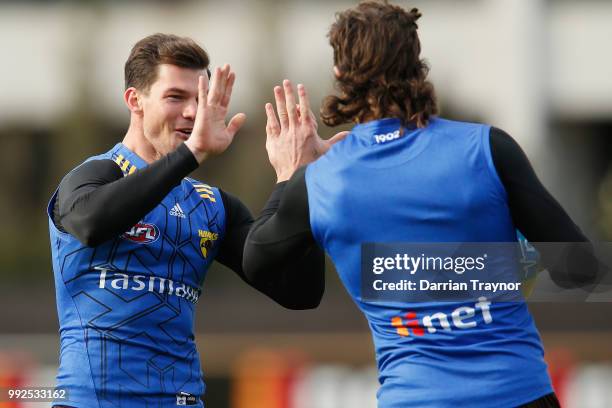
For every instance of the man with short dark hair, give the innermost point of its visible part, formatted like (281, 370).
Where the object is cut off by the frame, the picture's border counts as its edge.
(132, 238)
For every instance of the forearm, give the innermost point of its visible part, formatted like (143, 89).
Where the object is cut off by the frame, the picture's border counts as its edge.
(94, 210)
(281, 257)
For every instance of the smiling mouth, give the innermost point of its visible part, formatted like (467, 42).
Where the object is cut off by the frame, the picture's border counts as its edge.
(184, 132)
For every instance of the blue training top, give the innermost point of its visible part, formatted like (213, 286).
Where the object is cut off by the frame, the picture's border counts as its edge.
(126, 307)
(436, 184)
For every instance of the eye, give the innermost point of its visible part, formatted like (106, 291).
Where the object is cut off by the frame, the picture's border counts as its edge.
(174, 97)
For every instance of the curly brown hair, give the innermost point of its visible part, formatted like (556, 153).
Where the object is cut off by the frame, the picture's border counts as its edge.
(376, 51)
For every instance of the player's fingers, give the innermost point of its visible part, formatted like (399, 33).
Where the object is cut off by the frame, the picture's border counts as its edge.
(272, 122)
(202, 92)
(338, 137)
(290, 102)
(313, 119)
(225, 70)
(227, 96)
(236, 123)
(304, 102)
(214, 94)
(281, 107)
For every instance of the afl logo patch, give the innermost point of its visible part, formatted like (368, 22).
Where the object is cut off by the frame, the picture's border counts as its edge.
(142, 233)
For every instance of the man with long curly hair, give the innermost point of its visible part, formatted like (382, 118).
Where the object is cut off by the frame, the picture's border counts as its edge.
(403, 174)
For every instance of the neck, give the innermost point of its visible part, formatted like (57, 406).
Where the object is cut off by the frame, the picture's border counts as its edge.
(370, 118)
(136, 141)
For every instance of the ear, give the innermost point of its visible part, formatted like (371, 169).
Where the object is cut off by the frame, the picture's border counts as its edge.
(133, 100)
(336, 71)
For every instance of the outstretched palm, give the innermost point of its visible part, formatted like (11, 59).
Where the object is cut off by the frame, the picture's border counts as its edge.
(210, 134)
(292, 138)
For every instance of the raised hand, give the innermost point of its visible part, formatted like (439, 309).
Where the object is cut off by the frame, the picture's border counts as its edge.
(292, 139)
(210, 135)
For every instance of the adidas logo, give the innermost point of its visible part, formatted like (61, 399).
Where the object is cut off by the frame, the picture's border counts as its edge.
(177, 211)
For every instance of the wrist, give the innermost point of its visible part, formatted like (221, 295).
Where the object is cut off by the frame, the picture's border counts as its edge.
(284, 175)
(199, 154)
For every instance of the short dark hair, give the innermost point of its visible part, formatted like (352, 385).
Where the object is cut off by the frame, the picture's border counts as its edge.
(148, 53)
(377, 51)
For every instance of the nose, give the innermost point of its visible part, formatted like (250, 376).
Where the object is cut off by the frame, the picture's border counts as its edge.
(189, 112)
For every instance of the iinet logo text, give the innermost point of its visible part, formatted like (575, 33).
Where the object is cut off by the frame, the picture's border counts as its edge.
(387, 137)
(460, 318)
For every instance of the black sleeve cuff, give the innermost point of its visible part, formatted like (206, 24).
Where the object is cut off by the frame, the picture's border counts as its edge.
(275, 198)
(186, 158)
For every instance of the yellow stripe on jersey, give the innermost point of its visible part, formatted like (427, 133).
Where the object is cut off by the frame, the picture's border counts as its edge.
(205, 191)
(211, 198)
(125, 165)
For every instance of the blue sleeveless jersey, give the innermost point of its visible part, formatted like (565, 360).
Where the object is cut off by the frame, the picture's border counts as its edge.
(126, 307)
(436, 184)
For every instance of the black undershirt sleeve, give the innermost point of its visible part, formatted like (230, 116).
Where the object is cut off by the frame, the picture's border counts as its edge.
(282, 234)
(238, 221)
(96, 203)
(534, 210)
(281, 240)
(541, 218)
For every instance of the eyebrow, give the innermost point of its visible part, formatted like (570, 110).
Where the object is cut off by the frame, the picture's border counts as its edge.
(176, 90)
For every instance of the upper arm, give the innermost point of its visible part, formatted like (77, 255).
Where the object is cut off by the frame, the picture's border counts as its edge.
(80, 182)
(535, 212)
(238, 221)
